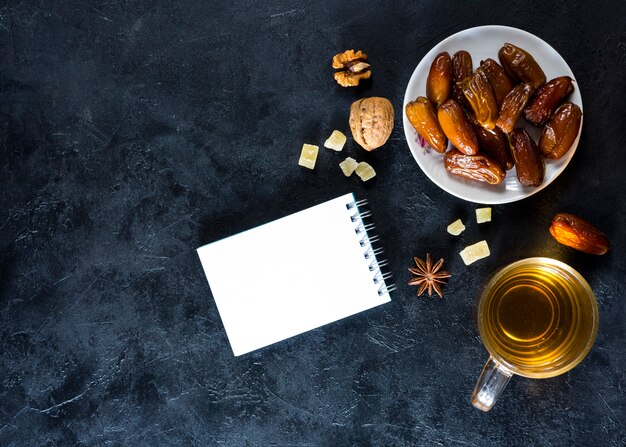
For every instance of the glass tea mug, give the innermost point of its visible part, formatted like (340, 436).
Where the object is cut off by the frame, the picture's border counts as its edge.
(538, 318)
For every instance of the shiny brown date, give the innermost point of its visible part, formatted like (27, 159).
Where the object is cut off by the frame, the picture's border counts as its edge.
(481, 99)
(423, 118)
(495, 145)
(577, 233)
(528, 162)
(513, 105)
(439, 81)
(546, 99)
(462, 69)
(497, 77)
(519, 64)
(475, 167)
(561, 131)
(457, 127)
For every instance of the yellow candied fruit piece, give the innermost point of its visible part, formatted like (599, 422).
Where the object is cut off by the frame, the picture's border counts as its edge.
(483, 215)
(335, 141)
(456, 227)
(473, 253)
(365, 171)
(308, 156)
(348, 166)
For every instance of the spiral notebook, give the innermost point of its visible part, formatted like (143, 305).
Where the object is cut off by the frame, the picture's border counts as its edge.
(296, 273)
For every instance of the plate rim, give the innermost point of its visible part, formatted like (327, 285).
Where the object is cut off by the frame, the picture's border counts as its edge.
(409, 130)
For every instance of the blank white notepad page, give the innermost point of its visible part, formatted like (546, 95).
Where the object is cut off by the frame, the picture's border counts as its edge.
(290, 276)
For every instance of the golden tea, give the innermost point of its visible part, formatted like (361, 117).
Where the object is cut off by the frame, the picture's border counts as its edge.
(538, 317)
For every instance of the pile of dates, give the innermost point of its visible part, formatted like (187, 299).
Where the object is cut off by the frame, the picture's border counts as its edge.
(478, 112)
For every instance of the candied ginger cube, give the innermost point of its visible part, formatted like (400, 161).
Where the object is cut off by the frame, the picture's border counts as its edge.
(365, 171)
(483, 215)
(335, 141)
(473, 253)
(456, 227)
(348, 166)
(308, 156)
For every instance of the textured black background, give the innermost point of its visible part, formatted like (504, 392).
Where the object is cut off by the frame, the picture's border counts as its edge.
(134, 132)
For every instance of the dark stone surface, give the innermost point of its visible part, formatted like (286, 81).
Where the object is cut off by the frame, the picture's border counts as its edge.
(134, 132)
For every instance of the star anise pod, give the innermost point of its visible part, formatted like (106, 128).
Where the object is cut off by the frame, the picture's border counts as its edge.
(428, 276)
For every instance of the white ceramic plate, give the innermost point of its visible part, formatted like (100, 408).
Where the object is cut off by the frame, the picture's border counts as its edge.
(484, 42)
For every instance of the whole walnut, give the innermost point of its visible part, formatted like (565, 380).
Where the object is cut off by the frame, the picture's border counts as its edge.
(371, 122)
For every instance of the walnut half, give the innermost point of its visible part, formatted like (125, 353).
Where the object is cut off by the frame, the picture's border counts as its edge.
(352, 68)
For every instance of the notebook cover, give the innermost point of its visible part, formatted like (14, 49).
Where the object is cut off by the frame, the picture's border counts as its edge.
(291, 275)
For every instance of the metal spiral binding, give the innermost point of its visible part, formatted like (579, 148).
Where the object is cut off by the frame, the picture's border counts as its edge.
(379, 277)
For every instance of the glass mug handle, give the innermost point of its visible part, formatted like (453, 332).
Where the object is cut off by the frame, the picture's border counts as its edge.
(490, 385)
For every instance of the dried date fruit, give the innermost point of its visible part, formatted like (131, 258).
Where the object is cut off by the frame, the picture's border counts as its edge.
(559, 134)
(497, 77)
(457, 127)
(462, 68)
(439, 81)
(546, 99)
(371, 122)
(512, 106)
(352, 68)
(528, 162)
(475, 167)
(519, 64)
(495, 144)
(577, 233)
(423, 118)
(480, 96)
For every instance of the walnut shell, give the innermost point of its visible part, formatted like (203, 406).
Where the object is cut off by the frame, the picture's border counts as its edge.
(371, 122)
